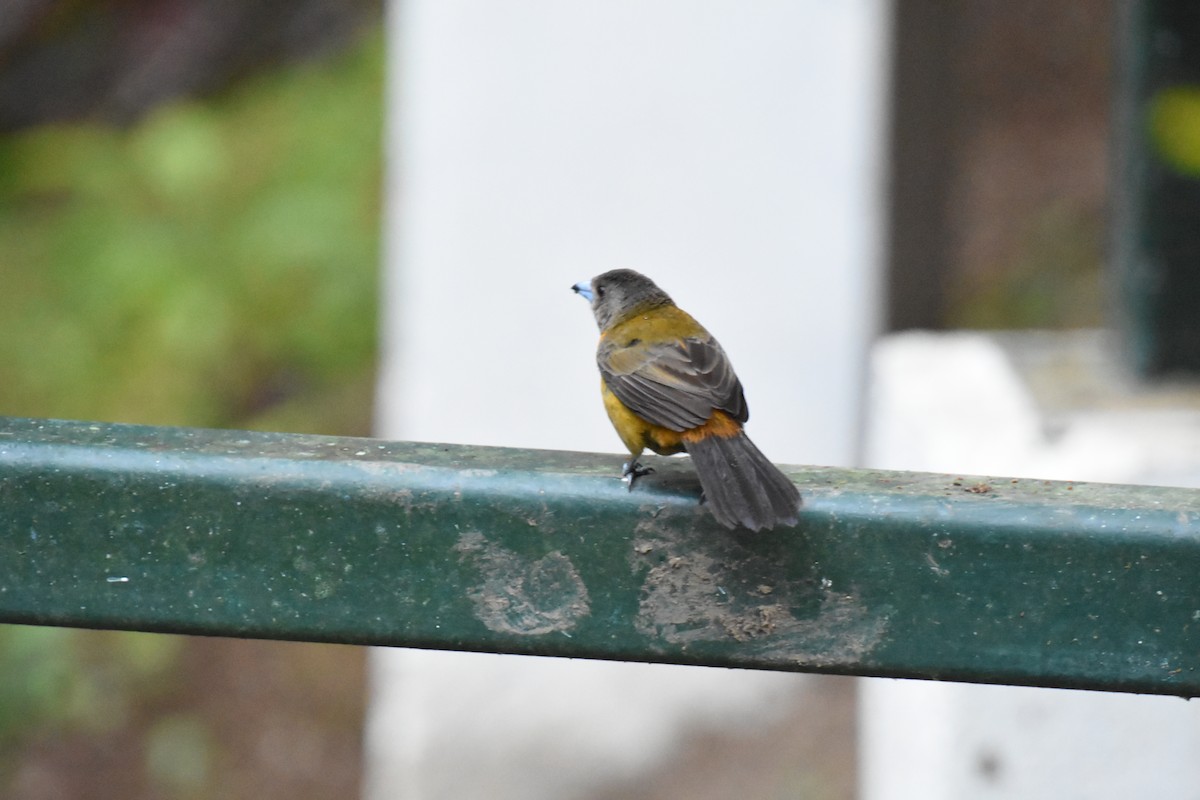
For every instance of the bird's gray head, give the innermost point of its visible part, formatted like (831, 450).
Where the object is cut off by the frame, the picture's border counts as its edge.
(618, 294)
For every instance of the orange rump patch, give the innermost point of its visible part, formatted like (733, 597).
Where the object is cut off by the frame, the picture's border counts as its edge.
(719, 424)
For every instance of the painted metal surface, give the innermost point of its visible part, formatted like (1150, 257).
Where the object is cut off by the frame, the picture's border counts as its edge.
(422, 545)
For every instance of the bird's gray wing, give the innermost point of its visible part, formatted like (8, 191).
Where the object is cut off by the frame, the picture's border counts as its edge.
(676, 384)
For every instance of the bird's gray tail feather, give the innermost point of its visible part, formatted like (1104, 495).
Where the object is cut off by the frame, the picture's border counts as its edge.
(741, 487)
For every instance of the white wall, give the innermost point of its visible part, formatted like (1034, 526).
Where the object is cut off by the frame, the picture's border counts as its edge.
(728, 150)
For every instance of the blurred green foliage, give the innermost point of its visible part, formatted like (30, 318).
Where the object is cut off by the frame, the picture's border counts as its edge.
(213, 265)
(78, 679)
(1174, 123)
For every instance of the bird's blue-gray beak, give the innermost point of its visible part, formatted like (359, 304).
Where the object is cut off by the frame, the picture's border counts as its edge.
(584, 290)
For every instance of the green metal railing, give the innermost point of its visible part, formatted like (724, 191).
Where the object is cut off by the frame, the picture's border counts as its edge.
(422, 545)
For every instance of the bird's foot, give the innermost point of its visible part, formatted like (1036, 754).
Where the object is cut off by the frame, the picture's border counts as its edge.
(631, 471)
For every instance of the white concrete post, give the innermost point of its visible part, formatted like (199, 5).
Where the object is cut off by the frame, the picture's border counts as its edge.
(728, 150)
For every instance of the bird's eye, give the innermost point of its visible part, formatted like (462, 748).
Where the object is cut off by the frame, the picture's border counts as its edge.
(599, 291)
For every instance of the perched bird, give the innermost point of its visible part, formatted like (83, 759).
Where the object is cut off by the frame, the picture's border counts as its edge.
(668, 386)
